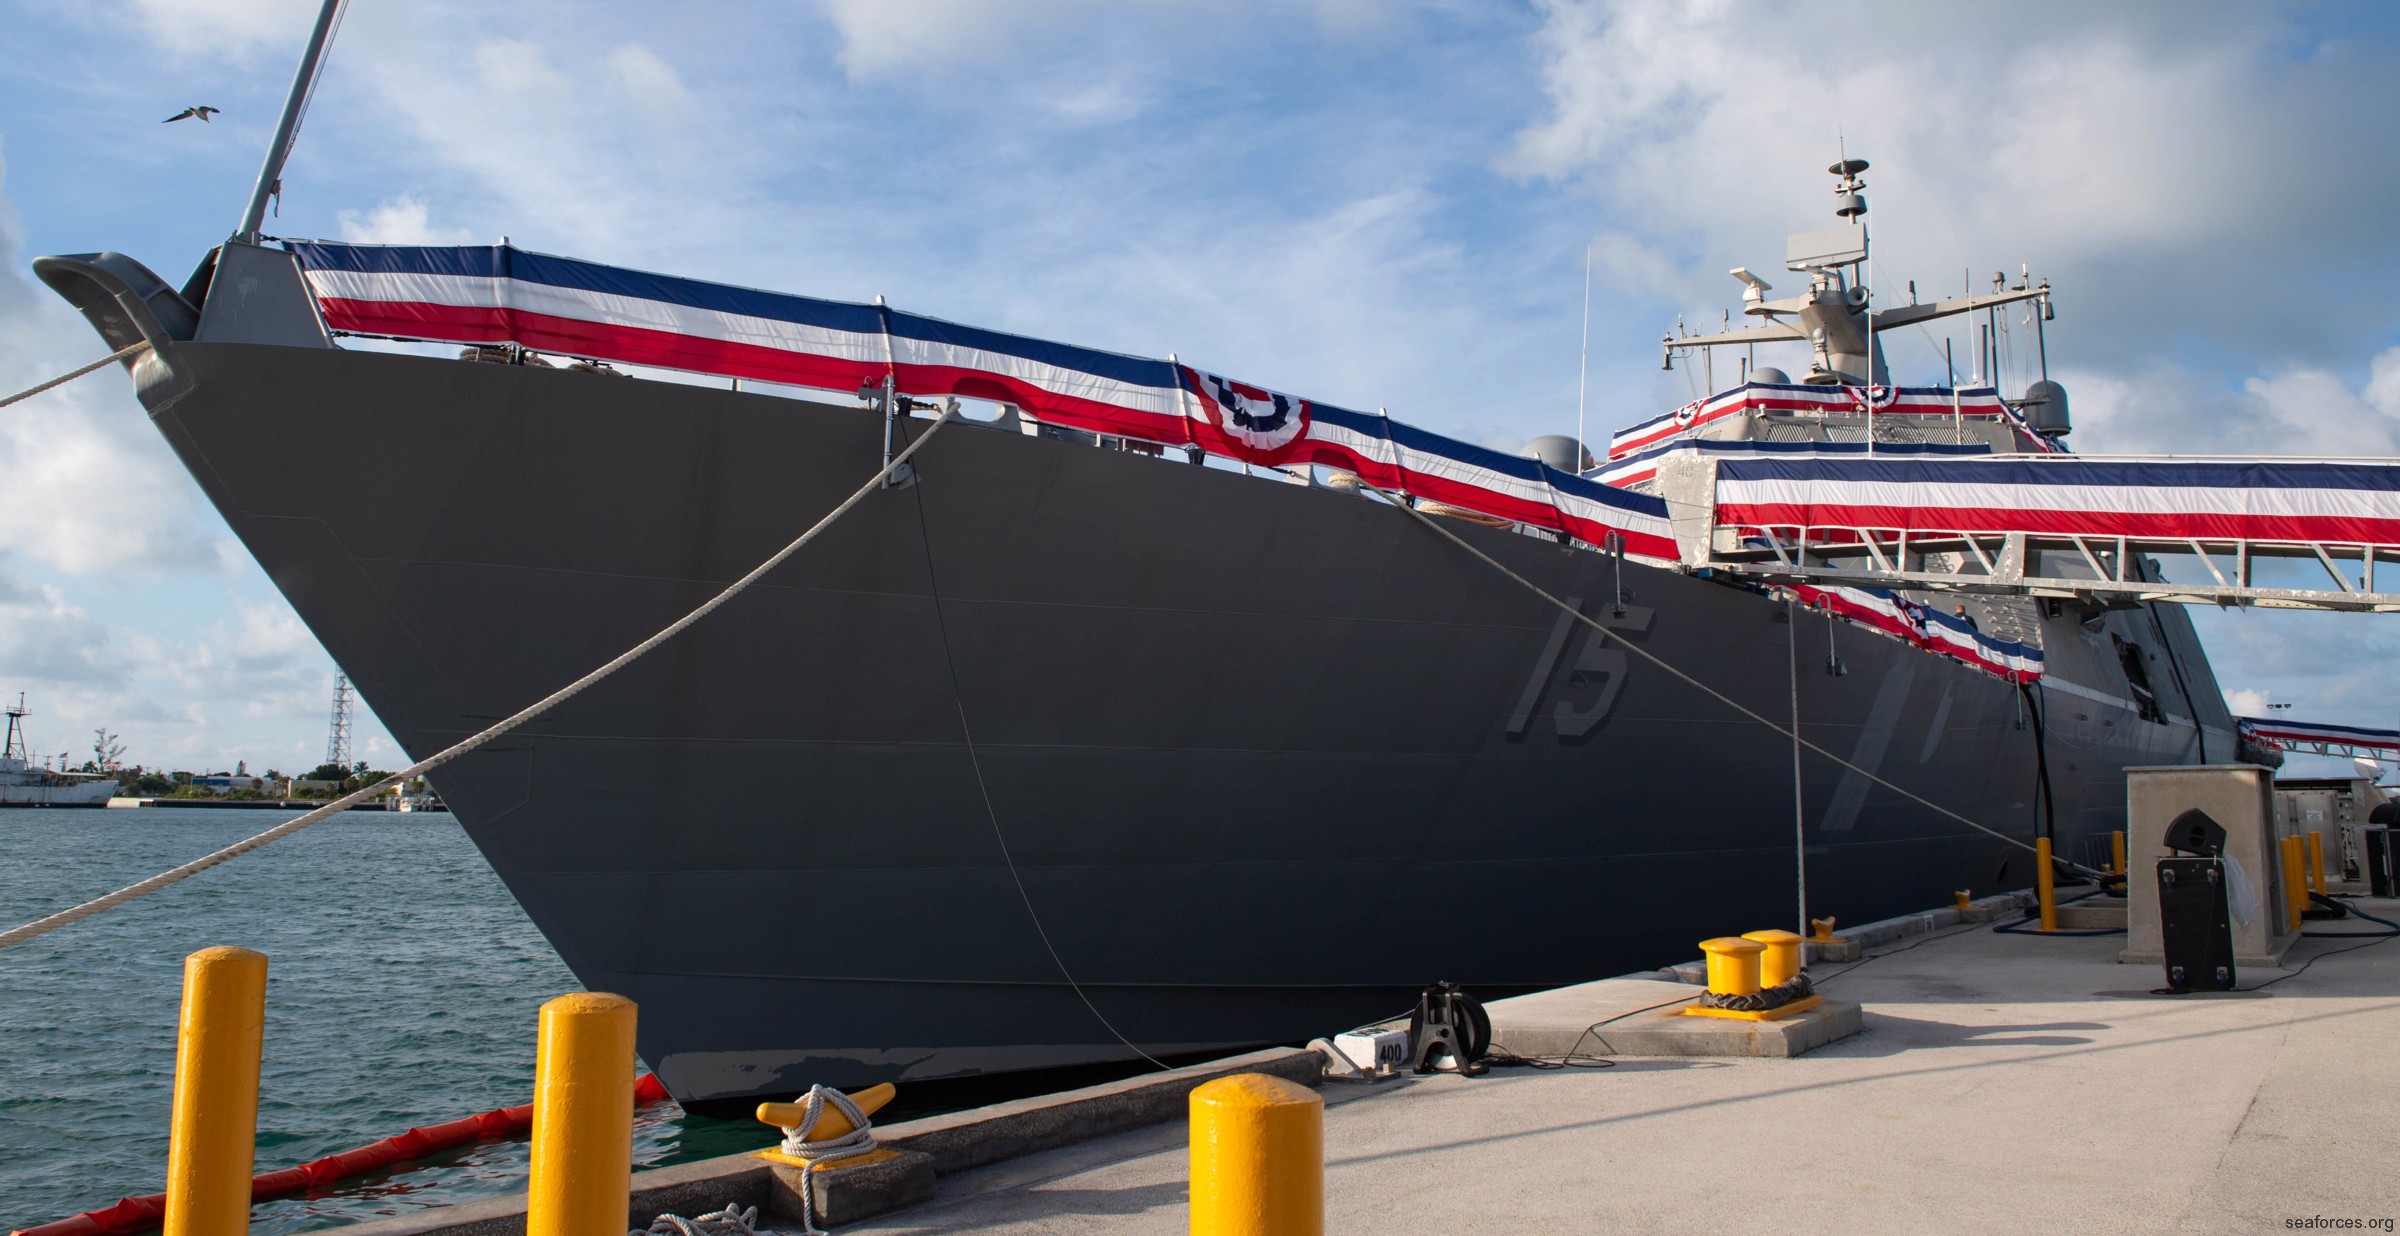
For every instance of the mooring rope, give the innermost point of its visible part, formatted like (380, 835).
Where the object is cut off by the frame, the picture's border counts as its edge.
(135, 348)
(858, 1141)
(1703, 687)
(131, 891)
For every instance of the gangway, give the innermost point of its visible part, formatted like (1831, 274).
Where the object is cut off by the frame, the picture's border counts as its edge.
(2065, 526)
(2320, 739)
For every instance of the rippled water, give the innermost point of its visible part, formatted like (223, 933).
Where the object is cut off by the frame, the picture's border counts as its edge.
(402, 985)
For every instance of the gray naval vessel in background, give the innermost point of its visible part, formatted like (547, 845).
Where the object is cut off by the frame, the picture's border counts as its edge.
(1266, 757)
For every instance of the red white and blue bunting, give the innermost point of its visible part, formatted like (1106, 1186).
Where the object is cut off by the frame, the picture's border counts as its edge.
(2264, 500)
(1917, 403)
(500, 294)
(1927, 628)
(2289, 735)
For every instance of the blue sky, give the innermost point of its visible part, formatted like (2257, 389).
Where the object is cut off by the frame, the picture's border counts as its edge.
(1378, 204)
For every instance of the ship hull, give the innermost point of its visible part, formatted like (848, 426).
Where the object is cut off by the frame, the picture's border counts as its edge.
(1064, 748)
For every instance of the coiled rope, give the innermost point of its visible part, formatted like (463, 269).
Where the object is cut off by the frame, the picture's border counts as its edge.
(859, 1140)
(127, 352)
(1703, 687)
(78, 913)
(726, 1222)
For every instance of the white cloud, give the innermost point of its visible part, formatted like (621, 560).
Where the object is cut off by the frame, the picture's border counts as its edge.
(2296, 411)
(880, 36)
(91, 488)
(225, 27)
(2122, 151)
(404, 220)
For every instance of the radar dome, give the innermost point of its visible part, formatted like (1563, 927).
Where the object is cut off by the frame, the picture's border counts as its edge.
(1560, 452)
(1770, 375)
(2046, 409)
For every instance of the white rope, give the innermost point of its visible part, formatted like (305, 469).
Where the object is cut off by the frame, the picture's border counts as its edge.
(73, 914)
(1719, 696)
(129, 350)
(725, 1222)
(859, 1140)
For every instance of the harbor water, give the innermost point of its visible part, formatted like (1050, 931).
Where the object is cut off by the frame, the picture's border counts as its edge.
(402, 988)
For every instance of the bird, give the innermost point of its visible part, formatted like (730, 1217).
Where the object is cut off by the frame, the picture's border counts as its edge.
(202, 112)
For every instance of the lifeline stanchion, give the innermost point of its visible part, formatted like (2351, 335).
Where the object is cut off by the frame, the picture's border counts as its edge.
(2045, 883)
(582, 1117)
(1258, 1158)
(215, 1132)
(77, 913)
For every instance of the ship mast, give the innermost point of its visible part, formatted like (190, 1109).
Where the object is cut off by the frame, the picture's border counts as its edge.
(14, 746)
(304, 84)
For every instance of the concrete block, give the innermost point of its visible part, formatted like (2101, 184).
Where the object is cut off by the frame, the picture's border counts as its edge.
(847, 1193)
(1693, 972)
(1624, 1017)
(1839, 949)
(2098, 914)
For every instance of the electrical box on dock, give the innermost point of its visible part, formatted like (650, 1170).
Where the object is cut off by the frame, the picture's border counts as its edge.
(1374, 1051)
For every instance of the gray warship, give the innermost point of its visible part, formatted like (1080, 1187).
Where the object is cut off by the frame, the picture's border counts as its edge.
(1071, 751)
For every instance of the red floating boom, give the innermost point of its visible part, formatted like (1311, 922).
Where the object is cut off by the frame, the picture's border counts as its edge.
(135, 1214)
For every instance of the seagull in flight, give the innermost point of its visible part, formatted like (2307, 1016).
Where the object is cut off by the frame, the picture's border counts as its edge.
(187, 113)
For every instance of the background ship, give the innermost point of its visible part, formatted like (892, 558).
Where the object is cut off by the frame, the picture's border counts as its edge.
(25, 783)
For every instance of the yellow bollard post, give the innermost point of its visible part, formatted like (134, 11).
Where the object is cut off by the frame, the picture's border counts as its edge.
(2045, 883)
(1258, 1158)
(2295, 881)
(2316, 863)
(215, 1131)
(1962, 898)
(1824, 929)
(1779, 961)
(2116, 852)
(1732, 965)
(582, 1117)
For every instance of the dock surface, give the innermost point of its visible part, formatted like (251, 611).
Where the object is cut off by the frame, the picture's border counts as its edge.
(2003, 1083)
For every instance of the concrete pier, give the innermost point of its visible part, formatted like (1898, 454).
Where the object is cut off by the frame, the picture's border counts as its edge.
(1998, 1083)
(2003, 1083)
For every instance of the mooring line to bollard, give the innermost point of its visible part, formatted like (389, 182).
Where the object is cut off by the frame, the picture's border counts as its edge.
(43, 926)
(136, 348)
(1719, 696)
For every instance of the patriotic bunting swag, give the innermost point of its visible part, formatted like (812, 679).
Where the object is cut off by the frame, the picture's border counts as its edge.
(503, 295)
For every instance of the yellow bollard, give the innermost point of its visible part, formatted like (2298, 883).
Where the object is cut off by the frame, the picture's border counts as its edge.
(1824, 929)
(1258, 1158)
(2316, 863)
(1781, 959)
(1732, 965)
(1963, 898)
(2295, 881)
(582, 1117)
(2045, 883)
(215, 1131)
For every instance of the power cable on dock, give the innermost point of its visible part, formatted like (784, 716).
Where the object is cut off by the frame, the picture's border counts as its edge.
(177, 875)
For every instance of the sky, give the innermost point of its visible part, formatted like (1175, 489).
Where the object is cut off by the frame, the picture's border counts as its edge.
(1372, 203)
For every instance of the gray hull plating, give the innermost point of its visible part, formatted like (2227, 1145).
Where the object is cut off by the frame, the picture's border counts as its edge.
(1267, 758)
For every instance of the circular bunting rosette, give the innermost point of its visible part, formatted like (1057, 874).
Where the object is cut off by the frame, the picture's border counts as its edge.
(1255, 424)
